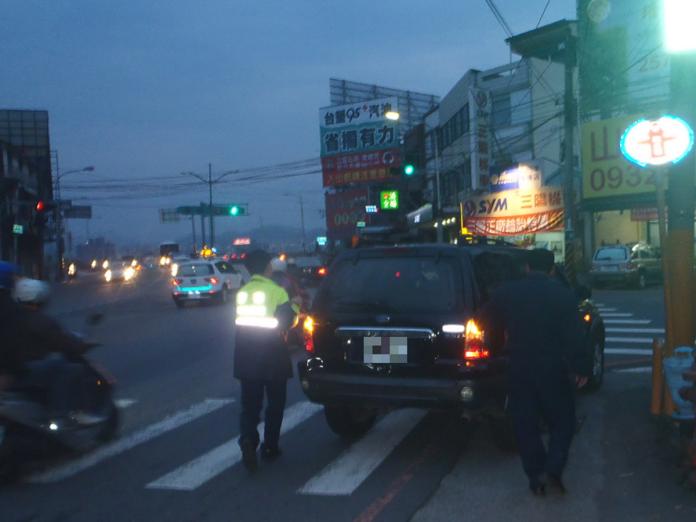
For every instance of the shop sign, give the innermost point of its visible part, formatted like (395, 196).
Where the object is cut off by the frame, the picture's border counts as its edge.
(605, 170)
(657, 142)
(479, 109)
(343, 211)
(389, 200)
(17, 229)
(363, 167)
(513, 212)
(520, 176)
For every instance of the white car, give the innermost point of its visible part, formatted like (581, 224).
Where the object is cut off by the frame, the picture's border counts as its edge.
(121, 271)
(199, 280)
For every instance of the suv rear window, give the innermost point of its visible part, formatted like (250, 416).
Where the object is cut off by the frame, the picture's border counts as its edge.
(198, 269)
(391, 284)
(611, 254)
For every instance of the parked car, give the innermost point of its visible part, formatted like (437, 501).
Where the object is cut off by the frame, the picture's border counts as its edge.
(200, 280)
(635, 265)
(395, 327)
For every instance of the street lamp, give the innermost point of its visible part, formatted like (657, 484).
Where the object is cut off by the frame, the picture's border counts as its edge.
(392, 115)
(58, 212)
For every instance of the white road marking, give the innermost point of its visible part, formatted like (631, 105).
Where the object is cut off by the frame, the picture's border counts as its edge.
(637, 340)
(122, 404)
(627, 351)
(637, 330)
(131, 441)
(642, 369)
(607, 309)
(619, 314)
(627, 321)
(197, 472)
(348, 471)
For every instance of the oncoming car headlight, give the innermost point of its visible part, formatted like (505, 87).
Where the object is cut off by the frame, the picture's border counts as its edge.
(128, 273)
(108, 275)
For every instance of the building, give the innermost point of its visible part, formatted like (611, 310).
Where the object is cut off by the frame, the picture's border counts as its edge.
(25, 180)
(365, 136)
(496, 130)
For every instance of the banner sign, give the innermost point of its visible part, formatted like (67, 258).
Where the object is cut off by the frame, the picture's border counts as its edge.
(605, 170)
(514, 212)
(169, 215)
(359, 167)
(358, 127)
(343, 211)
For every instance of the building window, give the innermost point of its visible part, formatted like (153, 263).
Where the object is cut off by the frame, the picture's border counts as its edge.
(501, 110)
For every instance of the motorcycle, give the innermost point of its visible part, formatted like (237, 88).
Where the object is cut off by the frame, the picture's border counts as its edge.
(27, 432)
(72, 271)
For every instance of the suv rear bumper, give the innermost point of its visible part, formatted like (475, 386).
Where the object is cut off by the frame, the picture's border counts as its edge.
(467, 394)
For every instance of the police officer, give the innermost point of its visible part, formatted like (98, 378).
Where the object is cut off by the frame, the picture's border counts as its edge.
(262, 359)
(543, 336)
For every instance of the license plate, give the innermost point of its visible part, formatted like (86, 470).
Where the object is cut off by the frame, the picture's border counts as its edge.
(385, 350)
(610, 269)
(193, 281)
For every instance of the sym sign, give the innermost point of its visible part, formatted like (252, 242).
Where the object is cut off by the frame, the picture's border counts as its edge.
(657, 142)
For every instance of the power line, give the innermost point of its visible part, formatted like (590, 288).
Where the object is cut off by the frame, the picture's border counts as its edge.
(499, 17)
(541, 17)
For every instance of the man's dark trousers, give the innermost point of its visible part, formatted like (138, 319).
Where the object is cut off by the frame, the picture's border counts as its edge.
(252, 402)
(551, 400)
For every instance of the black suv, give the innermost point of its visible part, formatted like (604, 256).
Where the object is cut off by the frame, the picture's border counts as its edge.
(394, 327)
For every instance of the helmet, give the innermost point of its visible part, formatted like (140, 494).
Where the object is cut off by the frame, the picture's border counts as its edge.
(8, 271)
(278, 265)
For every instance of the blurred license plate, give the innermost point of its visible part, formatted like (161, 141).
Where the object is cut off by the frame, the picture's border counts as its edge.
(385, 350)
(610, 269)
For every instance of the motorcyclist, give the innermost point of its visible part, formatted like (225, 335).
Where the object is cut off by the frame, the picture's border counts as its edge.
(31, 345)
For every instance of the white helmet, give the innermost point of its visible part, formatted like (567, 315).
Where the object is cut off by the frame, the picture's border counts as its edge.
(278, 265)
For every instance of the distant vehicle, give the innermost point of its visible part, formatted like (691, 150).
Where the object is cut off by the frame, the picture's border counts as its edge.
(308, 270)
(167, 250)
(198, 280)
(119, 271)
(634, 265)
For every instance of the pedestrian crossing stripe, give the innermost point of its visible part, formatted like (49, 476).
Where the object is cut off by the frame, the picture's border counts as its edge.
(200, 470)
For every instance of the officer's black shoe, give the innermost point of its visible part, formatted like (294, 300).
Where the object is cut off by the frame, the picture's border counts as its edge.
(537, 487)
(268, 453)
(556, 484)
(249, 456)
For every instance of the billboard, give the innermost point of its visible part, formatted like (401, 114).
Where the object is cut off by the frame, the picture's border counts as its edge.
(343, 212)
(605, 171)
(513, 212)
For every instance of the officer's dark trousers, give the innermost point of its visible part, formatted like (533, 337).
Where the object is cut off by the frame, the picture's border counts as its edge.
(552, 401)
(252, 402)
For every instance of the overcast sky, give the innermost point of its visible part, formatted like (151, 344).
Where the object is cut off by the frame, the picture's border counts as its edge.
(145, 88)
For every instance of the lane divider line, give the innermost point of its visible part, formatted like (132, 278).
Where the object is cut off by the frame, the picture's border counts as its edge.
(197, 472)
(627, 351)
(627, 321)
(637, 330)
(637, 340)
(616, 314)
(129, 442)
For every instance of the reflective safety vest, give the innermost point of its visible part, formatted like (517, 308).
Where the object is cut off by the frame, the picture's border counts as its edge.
(258, 301)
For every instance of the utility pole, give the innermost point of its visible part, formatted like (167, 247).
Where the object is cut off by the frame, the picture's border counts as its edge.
(202, 225)
(679, 247)
(569, 118)
(304, 236)
(58, 223)
(210, 204)
(193, 231)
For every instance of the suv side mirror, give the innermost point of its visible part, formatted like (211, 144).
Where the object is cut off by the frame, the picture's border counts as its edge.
(583, 292)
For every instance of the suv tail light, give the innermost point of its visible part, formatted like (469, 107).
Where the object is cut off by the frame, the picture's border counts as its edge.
(212, 280)
(322, 271)
(308, 331)
(177, 282)
(474, 345)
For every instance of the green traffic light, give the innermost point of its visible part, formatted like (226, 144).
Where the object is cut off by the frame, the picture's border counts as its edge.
(409, 169)
(234, 210)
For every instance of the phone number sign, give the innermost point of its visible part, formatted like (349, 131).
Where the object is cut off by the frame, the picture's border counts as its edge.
(605, 170)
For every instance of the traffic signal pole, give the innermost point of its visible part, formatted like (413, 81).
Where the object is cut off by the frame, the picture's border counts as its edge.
(569, 110)
(210, 205)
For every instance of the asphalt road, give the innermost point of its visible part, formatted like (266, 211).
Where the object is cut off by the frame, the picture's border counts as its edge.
(177, 458)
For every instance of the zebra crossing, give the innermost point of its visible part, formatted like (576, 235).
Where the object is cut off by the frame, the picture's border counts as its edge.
(339, 477)
(628, 340)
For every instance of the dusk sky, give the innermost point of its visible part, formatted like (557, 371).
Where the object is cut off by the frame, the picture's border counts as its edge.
(147, 89)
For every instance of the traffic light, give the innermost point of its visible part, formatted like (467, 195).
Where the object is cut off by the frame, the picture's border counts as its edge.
(234, 210)
(409, 169)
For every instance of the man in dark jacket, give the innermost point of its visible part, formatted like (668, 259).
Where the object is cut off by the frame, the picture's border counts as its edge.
(543, 337)
(262, 359)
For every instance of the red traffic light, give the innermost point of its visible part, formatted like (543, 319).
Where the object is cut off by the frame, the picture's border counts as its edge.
(40, 206)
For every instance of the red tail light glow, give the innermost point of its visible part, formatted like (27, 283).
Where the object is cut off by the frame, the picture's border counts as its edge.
(322, 271)
(474, 345)
(212, 280)
(308, 330)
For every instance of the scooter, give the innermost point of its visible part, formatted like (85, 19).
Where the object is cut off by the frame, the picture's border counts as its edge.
(72, 271)
(27, 432)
